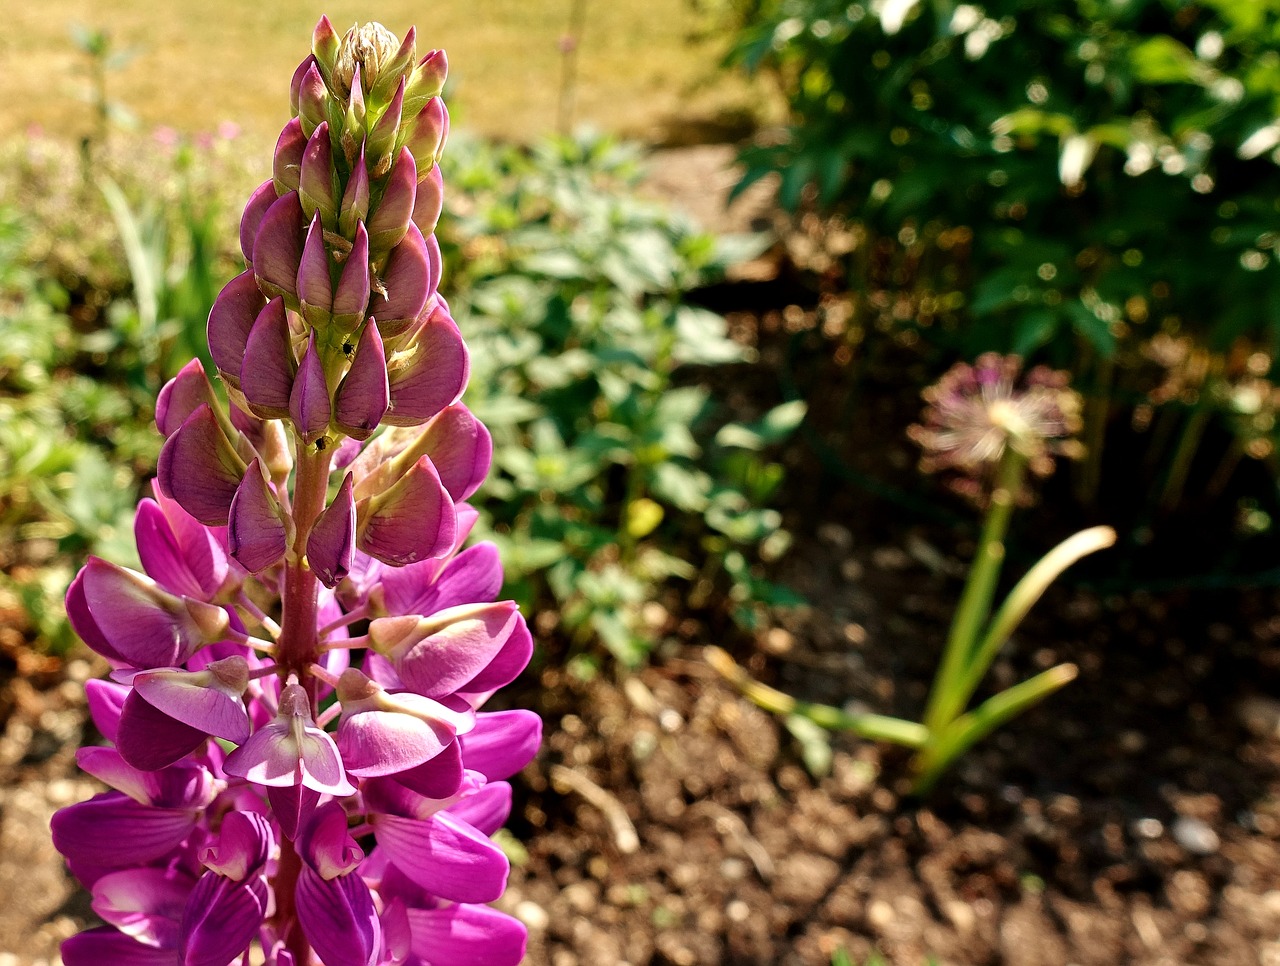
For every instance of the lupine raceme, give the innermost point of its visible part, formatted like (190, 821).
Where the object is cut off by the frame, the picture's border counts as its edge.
(300, 771)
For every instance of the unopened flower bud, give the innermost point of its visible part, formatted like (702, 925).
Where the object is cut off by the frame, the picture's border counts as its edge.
(369, 48)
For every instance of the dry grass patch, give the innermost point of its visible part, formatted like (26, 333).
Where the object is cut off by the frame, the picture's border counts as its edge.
(199, 63)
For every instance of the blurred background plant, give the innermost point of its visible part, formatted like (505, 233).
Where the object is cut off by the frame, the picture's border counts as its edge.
(994, 430)
(101, 60)
(107, 273)
(1093, 182)
(615, 472)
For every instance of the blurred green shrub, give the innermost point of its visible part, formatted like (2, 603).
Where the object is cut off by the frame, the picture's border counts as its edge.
(107, 272)
(613, 472)
(1026, 175)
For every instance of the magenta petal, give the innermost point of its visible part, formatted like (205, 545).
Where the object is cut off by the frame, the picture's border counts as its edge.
(105, 699)
(143, 903)
(465, 935)
(309, 403)
(295, 85)
(181, 396)
(376, 743)
(143, 623)
(162, 558)
(430, 372)
(96, 947)
(502, 742)
(199, 468)
(292, 806)
(351, 297)
(291, 750)
(382, 135)
(84, 624)
(325, 44)
(327, 846)
(439, 654)
(266, 378)
(438, 778)
(355, 200)
(427, 81)
(430, 128)
(428, 203)
(332, 541)
(255, 528)
(461, 450)
(149, 739)
(487, 810)
(363, 396)
(315, 184)
(412, 520)
(222, 917)
(339, 918)
(244, 845)
(109, 767)
(286, 165)
(445, 856)
(473, 576)
(113, 831)
(197, 699)
(203, 549)
(263, 197)
(396, 936)
(506, 665)
(407, 283)
(230, 320)
(277, 251)
(313, 100)
(315, 288)
(391, 219)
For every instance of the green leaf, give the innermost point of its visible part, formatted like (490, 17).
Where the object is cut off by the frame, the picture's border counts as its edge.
(1163, 60)
(684, 488)
(815, 744)
(776, 425)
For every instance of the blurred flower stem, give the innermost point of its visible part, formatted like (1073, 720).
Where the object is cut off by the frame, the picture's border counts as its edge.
(945, 701)
(569, 44)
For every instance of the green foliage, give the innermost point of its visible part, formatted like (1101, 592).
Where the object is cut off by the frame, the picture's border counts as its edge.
(613, 472)
(1027, 176)
(105, 285)
(1096, 148)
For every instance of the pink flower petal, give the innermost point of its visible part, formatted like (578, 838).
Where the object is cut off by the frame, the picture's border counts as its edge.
(445, 856)
(412, 520)
(429, 372)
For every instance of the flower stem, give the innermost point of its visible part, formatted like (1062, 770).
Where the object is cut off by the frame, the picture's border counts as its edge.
(297, 648)
(979, 590)
(298, 644)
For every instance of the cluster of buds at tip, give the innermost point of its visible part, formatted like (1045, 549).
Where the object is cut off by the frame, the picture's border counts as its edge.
(976, 414)
(300, 771)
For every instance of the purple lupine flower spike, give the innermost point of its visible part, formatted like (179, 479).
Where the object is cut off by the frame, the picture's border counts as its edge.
(300, 771)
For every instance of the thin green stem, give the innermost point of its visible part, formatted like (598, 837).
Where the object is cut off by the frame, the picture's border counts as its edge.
(877, 727)
(1023, 597)
(1180, 467)
(961, 734)
(979, 590)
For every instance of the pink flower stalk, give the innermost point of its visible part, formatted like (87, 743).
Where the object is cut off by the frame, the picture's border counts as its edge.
(300, 769)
